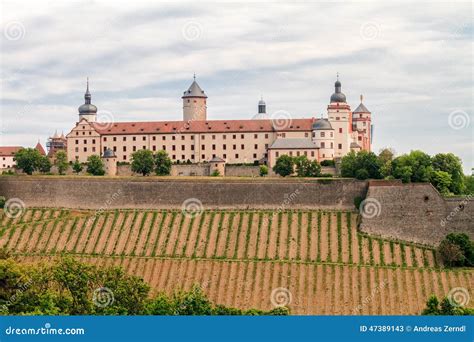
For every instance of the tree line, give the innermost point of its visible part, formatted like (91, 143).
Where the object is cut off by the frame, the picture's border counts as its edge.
(70, 287)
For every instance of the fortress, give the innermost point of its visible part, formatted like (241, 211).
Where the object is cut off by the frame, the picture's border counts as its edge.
(196, 139)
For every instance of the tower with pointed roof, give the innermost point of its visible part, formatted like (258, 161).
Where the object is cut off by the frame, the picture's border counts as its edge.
(194, 103)
(362, 125)
(87, 111)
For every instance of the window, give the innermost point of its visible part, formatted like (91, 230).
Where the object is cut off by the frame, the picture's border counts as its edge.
(255, 146)
(173, 137)
(242, 136)
(134, 148)
(124, 138)
(93, 141)
(331, 134)
(323, 134)
(224, 137)
(93, 148)
(266, 146)
(291, 153)
(213, 147)
(105, 138)
(234, 136)
(297, 153)
(182, 137)
(234, 147)
(339, 146)
(213, 137)
(192, 156)
(134, 139)
(203, 147)
(255, 136)
(77, 133)
(77, 142)
(125, 148)
(266, 136)
(236, 155)
(312, 153)
(306, 153)
(153, 138)
(154, 147)
(192, 147)
(242, 146)
(76, 149)
(203, 137)
(360, 138)
(192, 137)
(323, 145)
(144, 147)
(85, 141)
(144, 138)
(164, 138)
(340, 130)
(164, 148)
(115, 148)
(203, 156)
(174, 156)
(277, 154)
(224, 146)
(254, 155)
(124, 157)
(183, 157)
(183, 147)
(224, 156)
(338, 118)
(306, 135)
(332, 145)
(173, 147)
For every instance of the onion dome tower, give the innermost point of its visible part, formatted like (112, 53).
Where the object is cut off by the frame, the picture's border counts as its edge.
(338, 96)
(194, 103)
(262, 107)
(88, 111)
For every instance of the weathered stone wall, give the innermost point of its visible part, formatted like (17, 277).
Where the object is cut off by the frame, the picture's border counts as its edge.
(242, 171)
(155, 192)
(414, 212)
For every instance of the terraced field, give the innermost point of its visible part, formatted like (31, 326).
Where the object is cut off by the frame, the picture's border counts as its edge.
(240, 257)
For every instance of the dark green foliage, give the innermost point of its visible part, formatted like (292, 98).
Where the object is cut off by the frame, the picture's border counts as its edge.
(61, 162)
(95, 165)
(263, 170)
(457, 250)
(142, 162)
(162, 164)
(445, 308)
(357, 201)
(306, 168)
(413, 167)
(449, 163)
(284, 166)
(328, 162)
(44, 164)
(442, 181)
(361, 165)
(70, 287)
(77, 167)
(28, 160)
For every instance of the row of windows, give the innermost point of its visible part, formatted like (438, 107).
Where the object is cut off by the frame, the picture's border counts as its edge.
(298, 153)
(183, 137)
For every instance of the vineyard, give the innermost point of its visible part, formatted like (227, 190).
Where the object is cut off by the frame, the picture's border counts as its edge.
(240, 257)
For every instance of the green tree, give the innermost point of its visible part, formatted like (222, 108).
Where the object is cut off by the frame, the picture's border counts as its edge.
(77, 167)
(413, 167)
(142, 162)
(361, 165)
(448, 162)
(441, 181)
(465, 245)
(263, 170)
(61, 162)
(284, 166)
(162, 164)
(44, 164)
(95, 165)
(28, 160)
(432, 306)
(385, 158)
(469, 185)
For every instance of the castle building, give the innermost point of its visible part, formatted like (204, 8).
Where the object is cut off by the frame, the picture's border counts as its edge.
(196, 139)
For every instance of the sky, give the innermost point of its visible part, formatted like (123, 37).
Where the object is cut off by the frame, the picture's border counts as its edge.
(413, 62)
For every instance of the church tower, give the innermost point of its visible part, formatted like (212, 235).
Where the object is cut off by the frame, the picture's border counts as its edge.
(88, 111)
(194, 103)
(340, 118)
(362, 125)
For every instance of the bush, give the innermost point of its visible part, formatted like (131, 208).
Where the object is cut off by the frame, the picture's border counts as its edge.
(445, 308)
(143, 162)
(326, 175)
(61, 162)
(357, 201)
(2, 201)
(77, 167)
(263, 170)
(95, 165)
(328, 162)
(363, 164)
(215, 173)
(362, 174)
(457, 250)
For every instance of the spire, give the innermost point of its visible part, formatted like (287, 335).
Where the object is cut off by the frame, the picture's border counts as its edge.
(87, 95)
(194, 76)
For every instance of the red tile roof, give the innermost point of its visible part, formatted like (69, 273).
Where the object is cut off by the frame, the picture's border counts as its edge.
(40, 149)
(211, 126)
(6, 151)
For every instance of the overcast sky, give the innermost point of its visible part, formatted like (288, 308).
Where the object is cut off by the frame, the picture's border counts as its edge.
(412, 62)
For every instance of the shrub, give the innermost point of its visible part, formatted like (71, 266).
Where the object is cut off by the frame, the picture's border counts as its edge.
(445, 308)
(215, 173)
(2, 201)
(142, 162)
(263, 170)
(326, 175)
(362, 174)
(77, 167)
(95, 165)
(457, 250)
(357, 201)
(328, 162)
(61, 162)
